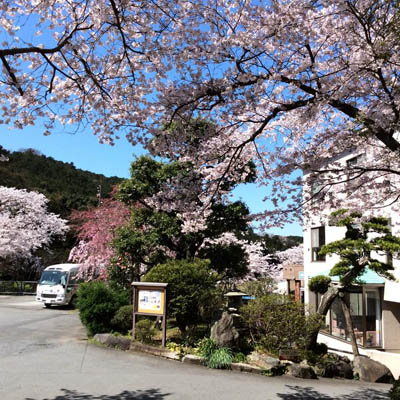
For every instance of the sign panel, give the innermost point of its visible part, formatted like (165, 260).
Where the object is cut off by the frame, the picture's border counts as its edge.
(151, 301)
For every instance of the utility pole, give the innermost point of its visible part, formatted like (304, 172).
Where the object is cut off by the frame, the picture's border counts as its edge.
(99, 194)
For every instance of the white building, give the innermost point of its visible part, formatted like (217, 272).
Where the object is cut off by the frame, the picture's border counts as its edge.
(375, 305)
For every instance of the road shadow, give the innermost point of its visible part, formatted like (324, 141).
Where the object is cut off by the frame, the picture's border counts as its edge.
(309, 393)
(150, 394)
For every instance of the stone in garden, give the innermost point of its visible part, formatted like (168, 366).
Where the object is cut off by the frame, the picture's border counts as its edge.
(289, 355)
(224, 332)
(334, 369)
(371, 371)
(243, 367)
(192, 359)
(263, 360)
(113, 341)
(301, 371)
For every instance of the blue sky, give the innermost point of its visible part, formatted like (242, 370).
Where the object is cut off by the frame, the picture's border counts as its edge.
(84, 151)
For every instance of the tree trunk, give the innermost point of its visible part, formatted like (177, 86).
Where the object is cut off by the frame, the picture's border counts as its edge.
(323, 308)
(349, 325)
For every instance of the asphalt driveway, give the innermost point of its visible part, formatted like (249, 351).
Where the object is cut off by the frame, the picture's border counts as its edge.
(45, 355)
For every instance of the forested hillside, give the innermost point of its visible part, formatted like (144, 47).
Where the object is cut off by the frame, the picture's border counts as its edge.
(66, 186)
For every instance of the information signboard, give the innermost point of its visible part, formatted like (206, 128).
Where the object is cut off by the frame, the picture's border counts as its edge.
(149, 298)
(151, 301)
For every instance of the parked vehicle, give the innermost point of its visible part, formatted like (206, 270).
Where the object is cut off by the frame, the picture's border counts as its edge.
(58, 285)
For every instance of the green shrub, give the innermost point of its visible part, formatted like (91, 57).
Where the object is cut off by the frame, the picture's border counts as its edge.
(97, 304)
(319, 284)
(213, 355)
(144, 330)
(260, 287)
(123, 319)
(190, 286)
(278, 322)
(221, 358)
(394, 392)
(239, 357)
(205, 347)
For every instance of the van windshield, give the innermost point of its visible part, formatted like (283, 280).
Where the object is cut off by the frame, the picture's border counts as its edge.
(53, 278)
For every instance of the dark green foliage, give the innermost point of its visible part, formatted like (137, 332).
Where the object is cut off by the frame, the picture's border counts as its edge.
(205, 347)
(97, 304)
(319, 284)
(321, 349)
(220, 359)
(144, 330)
(66, 187)
(123, 319)
(278, 322)
(230, 261)
(315, 355)
(363, 238)
(213, 355)
(190, 286)
(273, 243)
(394, 392)
(152, 236)
(239, 357)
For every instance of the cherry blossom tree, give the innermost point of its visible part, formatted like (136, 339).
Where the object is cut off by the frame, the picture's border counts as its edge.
(260, 264)
(272, 264)
(96, 229)
(25, 223)
(289, 84)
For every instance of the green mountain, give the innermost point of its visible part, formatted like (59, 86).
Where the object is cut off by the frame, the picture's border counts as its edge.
(67, 187)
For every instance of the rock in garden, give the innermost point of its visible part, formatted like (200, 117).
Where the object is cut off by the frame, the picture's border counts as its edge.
(301, 371)
(289, 355)
(224, 332)
(263, 360)
(371, 371)
(113, 341)
(334, 369)
(192, 359)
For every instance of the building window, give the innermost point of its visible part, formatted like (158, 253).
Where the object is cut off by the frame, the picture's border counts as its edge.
(366, 315)
(317, 241)
(352, 164)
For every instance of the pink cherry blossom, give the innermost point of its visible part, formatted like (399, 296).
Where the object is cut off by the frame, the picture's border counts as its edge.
(290, 84)
(96, 229)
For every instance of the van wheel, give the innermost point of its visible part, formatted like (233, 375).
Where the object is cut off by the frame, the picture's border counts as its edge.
(47, 305)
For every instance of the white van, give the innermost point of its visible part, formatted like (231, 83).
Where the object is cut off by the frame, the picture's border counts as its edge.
(58, 285)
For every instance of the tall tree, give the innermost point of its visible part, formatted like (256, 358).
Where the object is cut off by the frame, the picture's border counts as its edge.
(96, 229)
(365, 238)
(290, 84)
(156, 231)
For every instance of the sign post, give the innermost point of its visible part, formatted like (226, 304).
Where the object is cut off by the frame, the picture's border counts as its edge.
(149, 299)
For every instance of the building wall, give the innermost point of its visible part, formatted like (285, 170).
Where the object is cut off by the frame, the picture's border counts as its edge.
(390, 309)
(391, 325)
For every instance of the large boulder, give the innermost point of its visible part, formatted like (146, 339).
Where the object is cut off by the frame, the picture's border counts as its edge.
(263, 360)
(371, 371)
(334, 369)
(224, 331)
(113, 341)
(303, 371)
